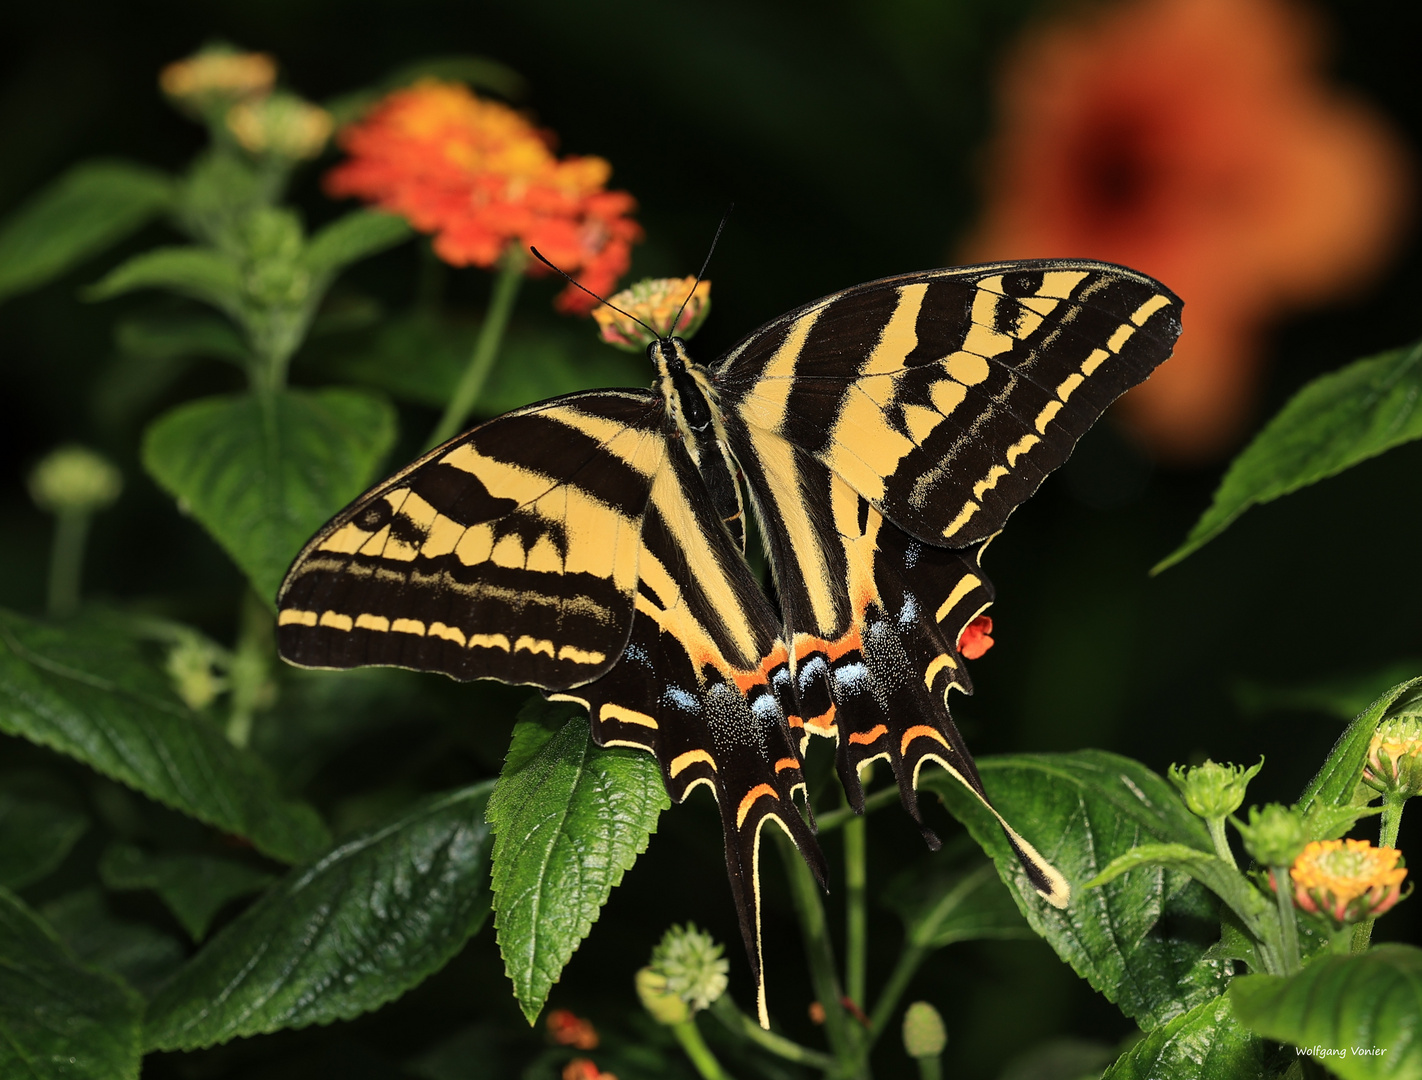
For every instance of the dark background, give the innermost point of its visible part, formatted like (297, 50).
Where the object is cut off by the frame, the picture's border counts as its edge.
(847, 134)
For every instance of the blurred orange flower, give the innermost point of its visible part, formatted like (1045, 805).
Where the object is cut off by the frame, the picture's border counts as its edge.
(1193, 140)
(584, 1069)
(567, 1028)
(480, 177)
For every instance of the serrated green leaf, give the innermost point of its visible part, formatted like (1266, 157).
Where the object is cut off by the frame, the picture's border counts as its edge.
(36, 834)
(91, 207)
(58, 1019)
(1142, 939)
(262, 490)
(359, 234)
(178, 336)
(91, 694)
(1335, 422)
(1336, 781)
(1208, 869)
(202, 273)
(138, 953)
(940, 908)
(1207, 1043)
(568, 822)
(195, 887)
(372, 918)
(1367, 1002)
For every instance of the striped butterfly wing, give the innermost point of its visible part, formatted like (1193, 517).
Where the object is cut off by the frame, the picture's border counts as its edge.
(886, 433)
(508, 553)
(572, 545)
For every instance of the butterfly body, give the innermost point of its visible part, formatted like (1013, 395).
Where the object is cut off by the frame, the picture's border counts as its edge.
(593, 545)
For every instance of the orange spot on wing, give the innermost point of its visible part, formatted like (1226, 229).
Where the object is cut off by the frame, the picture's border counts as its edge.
(795, 721)
(850, 642)
(806, 646)
(921, 731)
(825, 720)
(751, 796)
(975, 638)
(863, 738)
(786, 763)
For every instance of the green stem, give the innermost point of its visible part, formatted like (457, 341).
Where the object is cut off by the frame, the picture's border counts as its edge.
(1221, 840)
(250, 673)
(1288, 923)
(930, 1068)
(738, 1023)
(696, 1049)
(836, 818)
(819, 952)
(856, 917)
(486, 348)
(66, 562)
(1387, 837)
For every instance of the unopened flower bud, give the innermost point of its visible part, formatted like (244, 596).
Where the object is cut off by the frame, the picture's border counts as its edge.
(218, 75)
(924, 1035)
(664, 1005)
(1394, 764)
(693, 965)
(1213, 791)
(74, 479)
(1347, 880)
(1275, 834)
(192, 667)
(658, 302)
(282, 125)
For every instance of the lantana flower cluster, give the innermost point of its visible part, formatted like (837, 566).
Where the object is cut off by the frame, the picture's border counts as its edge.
(482, 178)
(1347, 880)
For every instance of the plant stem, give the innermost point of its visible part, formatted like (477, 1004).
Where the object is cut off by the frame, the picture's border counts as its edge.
(250, 670)
(835, 818)
(66, 562)
(819, 952)
(1387, 837)
(696, 1049)
(738, 1023)
(1288, 924)
(930, 1068)
(1221, 840)
(486, 348)
(856, 916)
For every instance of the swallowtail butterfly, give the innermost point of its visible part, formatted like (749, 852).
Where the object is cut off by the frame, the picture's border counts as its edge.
(593, 545)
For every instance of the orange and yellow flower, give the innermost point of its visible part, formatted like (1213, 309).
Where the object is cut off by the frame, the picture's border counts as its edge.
(480, 177)
(1195, 141)
(1348, 880)
(567, 1028)
(218, 74)
(656, 301)
(585, 1069)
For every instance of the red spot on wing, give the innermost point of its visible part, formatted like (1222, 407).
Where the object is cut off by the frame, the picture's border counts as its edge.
(975, 638)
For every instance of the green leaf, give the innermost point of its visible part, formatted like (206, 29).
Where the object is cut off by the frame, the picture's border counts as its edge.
(939, 908)
(59, 1019)
(262, 489)
(478, 71)
(91, 207)
(420, 358)
(357, 235)
(1335, 422)
(1209, 870)
(140, 954)
(1341, 696)
(91, 695)
(568, 822)
(179, 336)
(1207, 1043)
(195, 887)
(1337, 780)
(1142, 939)
(36, 834)
(201, 273)
(1343, 1005)
(372, 918)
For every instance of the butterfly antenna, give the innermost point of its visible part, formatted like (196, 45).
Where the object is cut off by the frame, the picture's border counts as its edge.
(724, 218)
(572, 281)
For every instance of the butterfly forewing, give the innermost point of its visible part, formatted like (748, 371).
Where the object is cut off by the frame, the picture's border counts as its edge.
(509, 553)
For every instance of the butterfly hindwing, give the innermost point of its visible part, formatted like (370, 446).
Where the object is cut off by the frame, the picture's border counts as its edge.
(510, 552)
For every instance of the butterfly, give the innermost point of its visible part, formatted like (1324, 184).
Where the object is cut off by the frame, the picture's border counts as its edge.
(593, 545)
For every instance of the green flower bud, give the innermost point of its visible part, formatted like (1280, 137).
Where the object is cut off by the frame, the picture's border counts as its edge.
(192, 664)
(664, 1006)
(924, 1036)
(693, 966)
(1394, 765)
(74, 478)
(1275, 834)
(1213, 791)
(282, 125)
